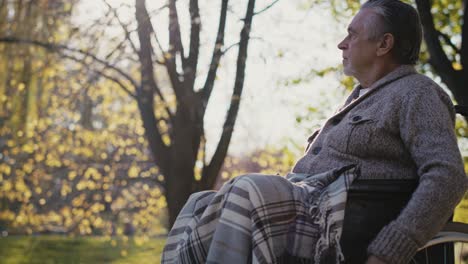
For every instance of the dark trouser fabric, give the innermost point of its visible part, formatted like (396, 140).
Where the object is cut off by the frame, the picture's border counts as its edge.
(371, 205)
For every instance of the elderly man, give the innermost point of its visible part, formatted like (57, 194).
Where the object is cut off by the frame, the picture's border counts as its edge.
(397, 124)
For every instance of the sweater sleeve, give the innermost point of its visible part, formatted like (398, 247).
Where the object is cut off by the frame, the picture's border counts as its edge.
(426, 120)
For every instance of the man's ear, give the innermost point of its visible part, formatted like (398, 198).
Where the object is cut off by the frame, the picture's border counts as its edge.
(386, 43)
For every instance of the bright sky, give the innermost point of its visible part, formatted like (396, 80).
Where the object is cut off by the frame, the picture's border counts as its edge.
(306, 40)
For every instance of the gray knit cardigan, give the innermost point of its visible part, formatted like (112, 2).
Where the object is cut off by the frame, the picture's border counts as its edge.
(403, 128)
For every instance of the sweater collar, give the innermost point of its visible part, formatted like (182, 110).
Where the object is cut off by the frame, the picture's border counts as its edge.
(394, 75)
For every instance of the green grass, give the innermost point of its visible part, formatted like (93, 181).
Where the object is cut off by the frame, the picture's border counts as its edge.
(61, 249)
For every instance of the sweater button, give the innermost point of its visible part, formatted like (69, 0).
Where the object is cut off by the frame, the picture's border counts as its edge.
(357, 118)
(316, 150)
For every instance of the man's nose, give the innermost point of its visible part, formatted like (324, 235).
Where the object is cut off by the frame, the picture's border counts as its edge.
(342, 45)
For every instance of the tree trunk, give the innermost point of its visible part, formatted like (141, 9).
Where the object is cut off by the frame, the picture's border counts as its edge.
(458, 88)
(185, 144)
(179, 189)
(453, 78)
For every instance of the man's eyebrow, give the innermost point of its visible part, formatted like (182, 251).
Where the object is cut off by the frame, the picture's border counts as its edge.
(351, 30)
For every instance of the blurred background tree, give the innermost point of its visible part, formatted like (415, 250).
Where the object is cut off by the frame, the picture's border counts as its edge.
(83, 107)
(73, 154)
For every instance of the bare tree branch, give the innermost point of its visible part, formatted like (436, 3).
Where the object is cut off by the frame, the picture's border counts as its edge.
(190, 69)
(148, 85)
(123, 26)
(132, 44)
(438, 58)
(210, 172)
(266, 8)
(175, 47)
(159, 62)
(175, 39)
(113, 51)
(230, 47)
(168, 60)
(217, 53)
(449, 41)
(464, 46)
(237, 44)
(58, 47)
(94, 38)
(102, 21)
(115, 80)
(145, 20)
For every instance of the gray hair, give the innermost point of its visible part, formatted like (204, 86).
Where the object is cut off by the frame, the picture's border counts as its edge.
(402, 21)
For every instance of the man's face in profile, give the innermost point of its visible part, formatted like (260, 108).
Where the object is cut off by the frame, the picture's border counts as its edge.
(359, 51)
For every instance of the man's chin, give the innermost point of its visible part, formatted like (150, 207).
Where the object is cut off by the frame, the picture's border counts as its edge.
(347, 72)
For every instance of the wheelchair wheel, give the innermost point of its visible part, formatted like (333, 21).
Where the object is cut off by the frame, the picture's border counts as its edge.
(450, 246)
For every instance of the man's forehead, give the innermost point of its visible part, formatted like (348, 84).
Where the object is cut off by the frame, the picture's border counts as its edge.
(355, 27)
(360, 19)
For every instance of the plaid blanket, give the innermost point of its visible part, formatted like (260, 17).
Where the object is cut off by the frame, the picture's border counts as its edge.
(257, 218)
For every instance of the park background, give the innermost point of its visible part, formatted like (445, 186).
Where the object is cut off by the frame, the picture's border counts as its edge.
(112, 112)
